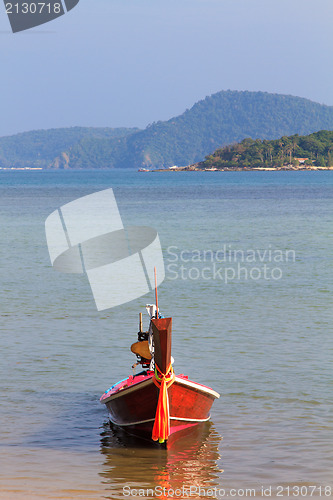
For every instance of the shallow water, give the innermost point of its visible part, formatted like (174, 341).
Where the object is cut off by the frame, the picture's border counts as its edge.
(262, 341)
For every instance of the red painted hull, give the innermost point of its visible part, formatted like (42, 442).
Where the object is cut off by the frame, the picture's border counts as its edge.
(132, 405)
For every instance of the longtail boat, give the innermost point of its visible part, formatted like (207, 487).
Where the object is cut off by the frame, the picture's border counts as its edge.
(156, 404)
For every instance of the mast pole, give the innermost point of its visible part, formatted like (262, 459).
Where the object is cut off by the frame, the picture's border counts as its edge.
(156, 292)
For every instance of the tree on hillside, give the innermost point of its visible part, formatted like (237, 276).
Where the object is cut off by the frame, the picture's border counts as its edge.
(249, 153)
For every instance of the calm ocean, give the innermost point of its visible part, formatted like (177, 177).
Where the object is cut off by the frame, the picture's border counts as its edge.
(248, 260)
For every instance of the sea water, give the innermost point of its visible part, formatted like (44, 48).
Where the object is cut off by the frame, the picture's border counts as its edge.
(248, 263)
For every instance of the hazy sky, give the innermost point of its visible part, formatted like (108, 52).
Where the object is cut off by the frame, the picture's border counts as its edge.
(131, 62)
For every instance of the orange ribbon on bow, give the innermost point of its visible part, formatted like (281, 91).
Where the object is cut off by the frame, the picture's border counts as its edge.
(161, 429)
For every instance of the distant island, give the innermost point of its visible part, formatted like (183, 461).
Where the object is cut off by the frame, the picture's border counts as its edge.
(307, 152)
(227, 117)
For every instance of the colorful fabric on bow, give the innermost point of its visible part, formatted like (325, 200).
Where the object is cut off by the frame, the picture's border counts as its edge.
(161, 429)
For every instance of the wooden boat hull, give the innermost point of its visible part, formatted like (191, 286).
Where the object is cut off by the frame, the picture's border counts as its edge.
(132, 405)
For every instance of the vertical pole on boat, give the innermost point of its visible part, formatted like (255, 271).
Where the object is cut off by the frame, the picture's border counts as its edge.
(156, 292)
(140, 322)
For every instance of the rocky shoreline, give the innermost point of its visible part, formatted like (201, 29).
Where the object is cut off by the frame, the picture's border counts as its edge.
(254, 169)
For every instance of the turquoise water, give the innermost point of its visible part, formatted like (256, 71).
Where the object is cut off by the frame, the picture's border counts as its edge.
(249, 286)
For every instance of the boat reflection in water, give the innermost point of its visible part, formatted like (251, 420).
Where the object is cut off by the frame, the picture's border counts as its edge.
(135, 468)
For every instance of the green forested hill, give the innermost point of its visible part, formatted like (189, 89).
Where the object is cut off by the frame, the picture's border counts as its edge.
(314, 149)
(39, 148)
(223, 118)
